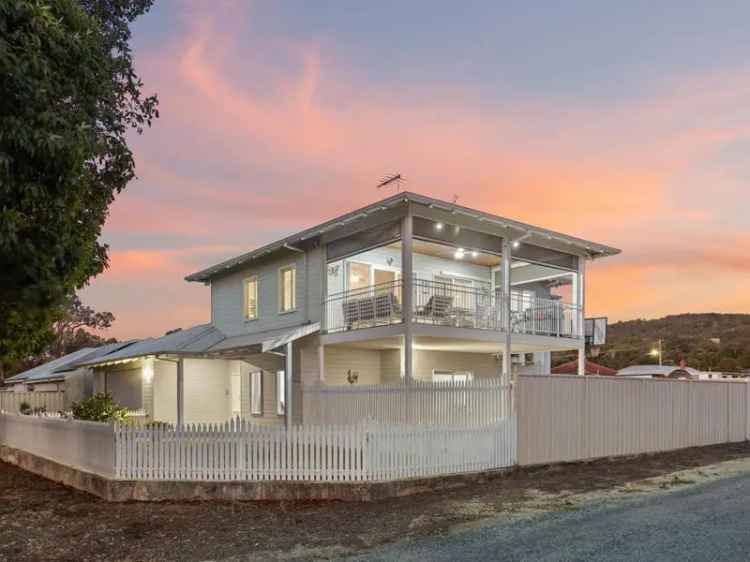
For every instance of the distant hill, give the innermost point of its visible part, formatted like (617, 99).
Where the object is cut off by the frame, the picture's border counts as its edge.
(718, 342)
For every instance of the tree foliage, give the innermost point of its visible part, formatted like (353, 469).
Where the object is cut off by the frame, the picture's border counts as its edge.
(69, 94)
(71, 331)
(717, 342)
(74, 329)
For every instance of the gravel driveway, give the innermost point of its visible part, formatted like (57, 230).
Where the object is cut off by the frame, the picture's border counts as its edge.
(707, 521)
(41, 520)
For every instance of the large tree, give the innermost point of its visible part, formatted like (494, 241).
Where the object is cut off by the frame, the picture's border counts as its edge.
(76, 327)
(69, 94)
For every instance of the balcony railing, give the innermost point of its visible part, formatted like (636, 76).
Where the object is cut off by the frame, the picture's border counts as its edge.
(452, 305)
(367, 307)
(459, 306)
(530, 314)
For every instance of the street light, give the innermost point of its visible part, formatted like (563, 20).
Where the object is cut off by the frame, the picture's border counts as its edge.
(657, 352)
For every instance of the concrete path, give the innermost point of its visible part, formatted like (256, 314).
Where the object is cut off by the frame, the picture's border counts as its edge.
(709, 521)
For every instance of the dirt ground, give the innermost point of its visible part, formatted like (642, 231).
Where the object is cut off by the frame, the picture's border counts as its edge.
(41, 520)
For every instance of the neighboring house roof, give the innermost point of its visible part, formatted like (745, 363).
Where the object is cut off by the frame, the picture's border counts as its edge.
(592, 248)
(571, 368)
(55, 370)
(666, 371)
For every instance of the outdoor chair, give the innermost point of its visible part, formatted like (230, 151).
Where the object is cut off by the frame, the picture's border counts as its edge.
(438, 308)
(370, 309)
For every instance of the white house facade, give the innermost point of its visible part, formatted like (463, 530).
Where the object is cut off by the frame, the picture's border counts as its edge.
(408, 290)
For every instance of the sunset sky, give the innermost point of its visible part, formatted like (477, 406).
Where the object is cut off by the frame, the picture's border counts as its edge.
(627, 124)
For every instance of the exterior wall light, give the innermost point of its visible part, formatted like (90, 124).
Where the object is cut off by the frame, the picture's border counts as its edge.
(438, 226)
(147, 371)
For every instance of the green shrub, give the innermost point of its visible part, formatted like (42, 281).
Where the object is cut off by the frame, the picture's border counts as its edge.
(99, 407)
(24, 408)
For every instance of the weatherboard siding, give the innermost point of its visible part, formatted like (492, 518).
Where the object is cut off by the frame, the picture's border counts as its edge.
(228, 300)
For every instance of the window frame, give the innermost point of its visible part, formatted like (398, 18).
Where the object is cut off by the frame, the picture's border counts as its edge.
(293, 268)
(453, 376)
(259, 410)
(245, 283)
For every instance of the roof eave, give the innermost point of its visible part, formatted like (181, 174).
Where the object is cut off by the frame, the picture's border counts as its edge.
(592, 250)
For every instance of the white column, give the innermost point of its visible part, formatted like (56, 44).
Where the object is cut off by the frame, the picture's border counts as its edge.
(407, 276)
(324, 289)
(147, 386)
(505, 304)
(289, 389)
(580, 296)
(322, 363)
(180, 392)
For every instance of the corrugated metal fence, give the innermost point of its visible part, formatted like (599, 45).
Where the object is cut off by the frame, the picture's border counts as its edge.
(568, 418)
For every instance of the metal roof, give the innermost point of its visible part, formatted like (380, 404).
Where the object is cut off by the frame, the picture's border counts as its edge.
(192, 340)
(654, 371)
(56, 369)
(592, 249)
(265, 341)
(204, 339)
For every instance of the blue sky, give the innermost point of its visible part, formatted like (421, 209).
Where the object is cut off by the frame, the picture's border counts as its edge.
(627, 123)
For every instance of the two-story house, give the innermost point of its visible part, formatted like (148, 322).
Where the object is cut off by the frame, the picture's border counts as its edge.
(408, 288)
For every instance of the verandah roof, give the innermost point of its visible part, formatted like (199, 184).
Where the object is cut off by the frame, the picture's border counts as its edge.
(205, 340)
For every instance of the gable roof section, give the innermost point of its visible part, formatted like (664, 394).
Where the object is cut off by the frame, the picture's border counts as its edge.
(261, 342)
(592, 248)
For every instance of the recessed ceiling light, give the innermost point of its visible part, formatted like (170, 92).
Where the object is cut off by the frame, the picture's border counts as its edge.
(474, 254)
(438, 226)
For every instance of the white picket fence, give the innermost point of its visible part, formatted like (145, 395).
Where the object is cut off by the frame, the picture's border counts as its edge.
(477, 402)
(51, 401)
(239, 450)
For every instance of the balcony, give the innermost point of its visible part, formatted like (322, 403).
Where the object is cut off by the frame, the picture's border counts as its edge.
(451, 305)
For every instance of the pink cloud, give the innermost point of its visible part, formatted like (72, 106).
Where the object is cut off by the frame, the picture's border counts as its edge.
(248, 150)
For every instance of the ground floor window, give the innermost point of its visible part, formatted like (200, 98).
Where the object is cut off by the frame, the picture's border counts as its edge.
(441, 375)
(256, 393)
(236, 395)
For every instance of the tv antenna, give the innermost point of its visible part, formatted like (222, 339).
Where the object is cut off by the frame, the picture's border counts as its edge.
(388, 180)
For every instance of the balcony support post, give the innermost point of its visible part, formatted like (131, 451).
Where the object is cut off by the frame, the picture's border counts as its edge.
(180, 392)
(505, 304)
(324, 288)
(321, 363)
(407, 277)
(580, 296)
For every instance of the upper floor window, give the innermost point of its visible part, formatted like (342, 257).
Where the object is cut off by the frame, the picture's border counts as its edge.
(251, 298)
(287, 288)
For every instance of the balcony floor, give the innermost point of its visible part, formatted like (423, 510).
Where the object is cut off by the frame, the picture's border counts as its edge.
(450, 338)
